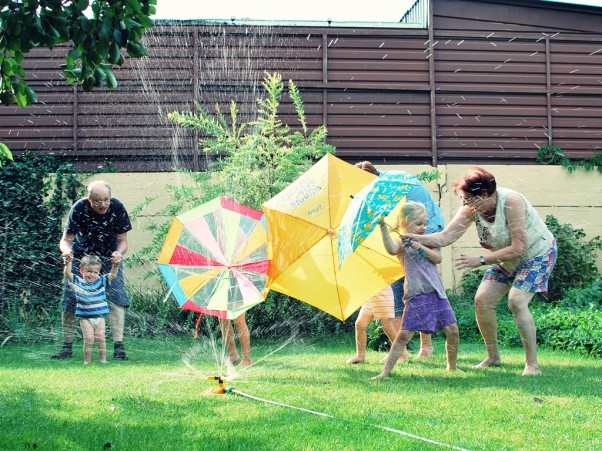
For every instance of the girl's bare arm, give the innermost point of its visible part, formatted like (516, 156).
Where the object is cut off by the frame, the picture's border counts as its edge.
(393, 247)
(432, 254)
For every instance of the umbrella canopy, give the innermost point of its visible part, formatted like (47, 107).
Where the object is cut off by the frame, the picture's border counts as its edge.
(373, 203)
(303, 222)
(214, 258)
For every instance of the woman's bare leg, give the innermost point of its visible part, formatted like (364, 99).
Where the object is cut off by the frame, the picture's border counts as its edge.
(518, 302)
(117, 322)
(488, 295)
(361, 337)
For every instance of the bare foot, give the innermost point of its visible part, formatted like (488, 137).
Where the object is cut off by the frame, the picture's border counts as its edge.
(454, 369)
(87, 363)
(356, 359)
(244, 363)
(425, 353)
(488, 362)
(234, 358)
(103, 361)
(531, 370)
(380, 376)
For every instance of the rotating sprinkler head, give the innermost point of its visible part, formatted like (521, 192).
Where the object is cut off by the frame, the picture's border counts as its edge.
(220, 389)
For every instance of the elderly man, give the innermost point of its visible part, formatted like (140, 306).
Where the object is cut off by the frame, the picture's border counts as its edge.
(97, 225)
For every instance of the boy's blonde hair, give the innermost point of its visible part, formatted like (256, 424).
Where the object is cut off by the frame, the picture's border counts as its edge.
(90, 260)
(409, 213)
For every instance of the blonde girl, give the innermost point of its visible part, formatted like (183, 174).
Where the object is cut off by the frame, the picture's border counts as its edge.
(426, 307)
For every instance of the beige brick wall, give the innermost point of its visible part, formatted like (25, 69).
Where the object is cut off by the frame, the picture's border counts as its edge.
(572, 198)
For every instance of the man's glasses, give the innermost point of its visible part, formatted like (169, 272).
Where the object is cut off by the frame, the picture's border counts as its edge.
(100, 202)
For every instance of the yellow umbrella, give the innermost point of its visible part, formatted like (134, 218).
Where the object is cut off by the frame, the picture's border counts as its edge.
(302, 223)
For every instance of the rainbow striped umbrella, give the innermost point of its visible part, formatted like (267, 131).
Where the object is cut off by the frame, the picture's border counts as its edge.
(215, 258)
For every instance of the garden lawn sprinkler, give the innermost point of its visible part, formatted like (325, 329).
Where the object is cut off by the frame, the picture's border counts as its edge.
(216, 390)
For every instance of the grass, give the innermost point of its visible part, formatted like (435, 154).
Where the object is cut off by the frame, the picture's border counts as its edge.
(157, 400)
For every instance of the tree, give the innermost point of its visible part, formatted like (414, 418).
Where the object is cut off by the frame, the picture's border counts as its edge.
(96, 41)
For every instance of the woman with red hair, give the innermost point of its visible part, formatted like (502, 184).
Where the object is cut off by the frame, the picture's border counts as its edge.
(521, 258)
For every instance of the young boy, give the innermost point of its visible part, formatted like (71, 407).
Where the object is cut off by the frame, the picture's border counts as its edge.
(92, 305)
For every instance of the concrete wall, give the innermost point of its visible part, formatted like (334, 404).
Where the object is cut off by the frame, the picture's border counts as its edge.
(572, 198)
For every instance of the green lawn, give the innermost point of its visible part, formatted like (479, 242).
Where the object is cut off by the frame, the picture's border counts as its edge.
(157, 400)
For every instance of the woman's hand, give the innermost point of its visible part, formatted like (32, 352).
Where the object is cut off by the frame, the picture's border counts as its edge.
(468, 261)
(407, 237)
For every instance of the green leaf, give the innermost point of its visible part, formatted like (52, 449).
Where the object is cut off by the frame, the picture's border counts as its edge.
(111, 81)
(21, 99)
(73, 55)
(133, 4)
(114, 53)
(5, 153)
(30, 95)
(100, 75)
(136, 50)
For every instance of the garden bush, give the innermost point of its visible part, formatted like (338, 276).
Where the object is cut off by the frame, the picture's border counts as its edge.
(576, 262)
(575, 330)
(36, 194)
(151, 314)
(280, 316)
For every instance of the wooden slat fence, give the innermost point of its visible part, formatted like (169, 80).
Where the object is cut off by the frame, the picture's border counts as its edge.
(490, 82)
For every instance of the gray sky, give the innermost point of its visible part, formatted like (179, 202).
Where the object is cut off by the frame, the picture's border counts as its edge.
(315, 10)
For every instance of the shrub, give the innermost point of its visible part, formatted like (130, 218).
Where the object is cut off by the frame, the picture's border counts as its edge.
(377, 339)
(576, 262)
(582, 297)
(572, 330)
(152, 315)
(36, 194)
(281, 315)
(555, 155)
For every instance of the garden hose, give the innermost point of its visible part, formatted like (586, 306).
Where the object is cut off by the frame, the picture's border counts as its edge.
(230, 390)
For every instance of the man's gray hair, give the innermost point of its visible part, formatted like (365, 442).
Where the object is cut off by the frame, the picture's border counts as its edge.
(93, 186)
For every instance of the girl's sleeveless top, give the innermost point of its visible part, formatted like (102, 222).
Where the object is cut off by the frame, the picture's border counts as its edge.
(421, 275)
